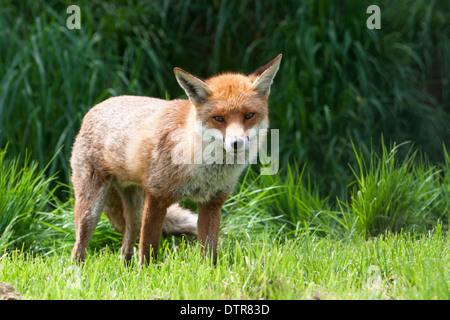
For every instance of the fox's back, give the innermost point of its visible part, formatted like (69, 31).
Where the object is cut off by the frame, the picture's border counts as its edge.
(120, 114)
(108, 127)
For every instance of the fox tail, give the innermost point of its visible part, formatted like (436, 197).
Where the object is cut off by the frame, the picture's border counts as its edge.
(180, 221)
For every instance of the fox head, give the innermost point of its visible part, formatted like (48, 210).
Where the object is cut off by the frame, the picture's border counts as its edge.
(233, 105)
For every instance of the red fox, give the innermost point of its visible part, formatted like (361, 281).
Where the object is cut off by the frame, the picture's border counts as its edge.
(135, 158)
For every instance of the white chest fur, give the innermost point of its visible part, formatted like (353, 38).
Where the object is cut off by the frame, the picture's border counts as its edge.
(210, 180)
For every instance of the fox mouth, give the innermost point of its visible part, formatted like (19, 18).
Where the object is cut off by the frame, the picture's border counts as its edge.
(239, 150)
(233, 149)
(237, 153)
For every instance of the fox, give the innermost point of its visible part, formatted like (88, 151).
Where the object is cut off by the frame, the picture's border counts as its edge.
(135, 159)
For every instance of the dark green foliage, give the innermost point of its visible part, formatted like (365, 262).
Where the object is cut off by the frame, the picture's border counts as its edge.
(340, 87)
(338, 82)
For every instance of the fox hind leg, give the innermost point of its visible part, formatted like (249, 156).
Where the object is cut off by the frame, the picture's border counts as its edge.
(132, 201)
(90, 197)
(114, 210)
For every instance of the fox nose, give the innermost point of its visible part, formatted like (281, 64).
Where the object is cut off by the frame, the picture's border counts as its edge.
(237, 144)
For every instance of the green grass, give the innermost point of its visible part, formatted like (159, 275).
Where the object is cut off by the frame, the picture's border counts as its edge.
(399, 266)
(391, 195)
(25, 193)
(279, 240)
(386, 195)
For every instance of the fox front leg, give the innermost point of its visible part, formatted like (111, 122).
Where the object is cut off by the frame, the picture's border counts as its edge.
(208, 226)
(153, 216)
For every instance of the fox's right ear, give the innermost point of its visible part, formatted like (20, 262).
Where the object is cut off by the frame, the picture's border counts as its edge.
(263, 77)
(196, 89)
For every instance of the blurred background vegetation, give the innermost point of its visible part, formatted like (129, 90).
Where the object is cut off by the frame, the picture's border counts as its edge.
(340, 85)
(339, 82)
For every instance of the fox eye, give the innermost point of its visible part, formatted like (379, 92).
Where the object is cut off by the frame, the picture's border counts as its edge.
(219, 119)
(249, 115)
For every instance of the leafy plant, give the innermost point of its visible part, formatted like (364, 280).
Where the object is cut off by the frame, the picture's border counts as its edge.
(25, 194)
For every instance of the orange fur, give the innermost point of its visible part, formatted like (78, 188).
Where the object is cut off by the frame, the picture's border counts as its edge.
(122, 159)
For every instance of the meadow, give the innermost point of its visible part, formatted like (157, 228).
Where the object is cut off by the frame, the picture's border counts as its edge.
(306, 267)
(279, 240)
(360, 206)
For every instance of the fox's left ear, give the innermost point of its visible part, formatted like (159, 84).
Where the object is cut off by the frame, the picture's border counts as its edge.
(196, 89)
(263, 77)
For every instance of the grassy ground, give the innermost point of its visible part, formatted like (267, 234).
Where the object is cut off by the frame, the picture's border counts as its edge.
(389, 267)
(280, 240)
